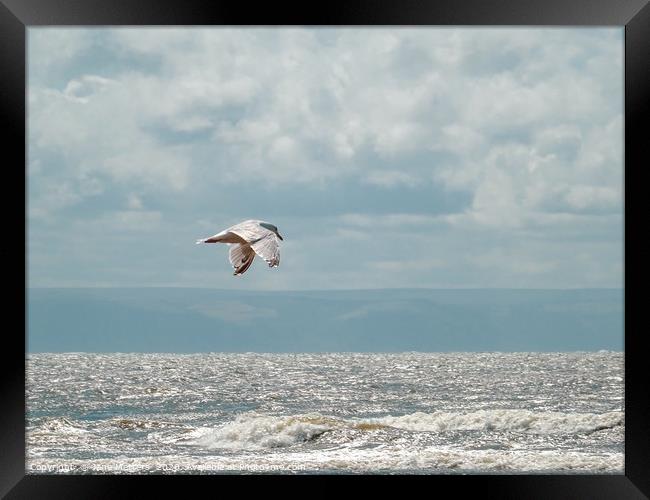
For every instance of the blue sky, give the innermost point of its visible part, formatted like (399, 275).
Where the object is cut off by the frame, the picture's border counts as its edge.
(387, 157)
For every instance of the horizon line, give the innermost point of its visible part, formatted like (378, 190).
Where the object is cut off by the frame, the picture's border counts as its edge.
(154, 287)
(328, 352)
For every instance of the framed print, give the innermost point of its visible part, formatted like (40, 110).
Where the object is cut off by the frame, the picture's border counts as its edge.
(384, 242)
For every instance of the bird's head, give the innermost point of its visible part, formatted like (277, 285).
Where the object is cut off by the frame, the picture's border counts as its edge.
(271, 227)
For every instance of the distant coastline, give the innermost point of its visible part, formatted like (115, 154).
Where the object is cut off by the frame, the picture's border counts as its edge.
(186, 320)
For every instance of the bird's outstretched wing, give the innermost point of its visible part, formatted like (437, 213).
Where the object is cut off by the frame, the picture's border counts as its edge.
(249, 230)
(227, 237)
(241, 257)
(268, 248)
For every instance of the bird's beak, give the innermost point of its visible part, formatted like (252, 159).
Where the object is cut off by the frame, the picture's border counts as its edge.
(280, 236)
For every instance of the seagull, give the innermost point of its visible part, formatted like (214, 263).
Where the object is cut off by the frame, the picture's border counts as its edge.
(247, 239)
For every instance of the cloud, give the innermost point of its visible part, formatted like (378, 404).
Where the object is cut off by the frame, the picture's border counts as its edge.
(134, 202)
(79, 90)
(517, 263)
(150, 166)
(585, 197)
(390, 178)
(52, 51)
(458, 142)
(326, 101)
(133, 220)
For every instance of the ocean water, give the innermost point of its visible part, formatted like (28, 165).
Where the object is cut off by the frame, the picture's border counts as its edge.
(349, 413)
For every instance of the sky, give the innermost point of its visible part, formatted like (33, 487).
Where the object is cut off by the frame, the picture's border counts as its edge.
(387, 157)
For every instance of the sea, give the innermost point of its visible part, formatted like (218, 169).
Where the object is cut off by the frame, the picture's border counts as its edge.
(325, 413)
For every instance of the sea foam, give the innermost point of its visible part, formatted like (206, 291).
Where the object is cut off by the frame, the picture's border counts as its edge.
(263, 431)
(506, 420)
(255, 431)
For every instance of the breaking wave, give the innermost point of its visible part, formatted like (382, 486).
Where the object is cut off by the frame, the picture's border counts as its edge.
(507, 420)
(257, 431)
(264, 431)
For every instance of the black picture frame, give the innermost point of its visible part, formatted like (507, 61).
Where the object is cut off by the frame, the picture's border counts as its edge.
(17, 15)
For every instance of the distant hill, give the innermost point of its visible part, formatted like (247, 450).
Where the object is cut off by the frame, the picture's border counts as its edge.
(204, 320)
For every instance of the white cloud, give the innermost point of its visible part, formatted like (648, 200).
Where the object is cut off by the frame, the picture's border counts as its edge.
(585, 197)
(50, 49)
(389, 178)
(57, 197)
(192, 124)
(301, 98)
(246, 131)
(526, 122)
(509, 261)
(134, 202)
(133, 220)
(150, 166)
(95, 124)
(81, 89)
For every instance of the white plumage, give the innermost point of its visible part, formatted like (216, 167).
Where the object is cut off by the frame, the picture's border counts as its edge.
(249, 238)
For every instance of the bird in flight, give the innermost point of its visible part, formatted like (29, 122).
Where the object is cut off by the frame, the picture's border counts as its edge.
(247, 239)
